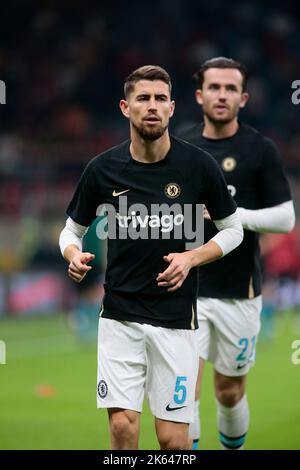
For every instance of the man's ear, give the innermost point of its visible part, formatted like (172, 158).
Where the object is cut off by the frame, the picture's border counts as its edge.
(124, 108)
(172, 108)
(245, 97)
(198, 96)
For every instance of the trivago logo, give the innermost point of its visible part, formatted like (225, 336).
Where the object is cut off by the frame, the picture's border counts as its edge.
(2, 352)
(166, 222)
(2, 92)
(159, 221)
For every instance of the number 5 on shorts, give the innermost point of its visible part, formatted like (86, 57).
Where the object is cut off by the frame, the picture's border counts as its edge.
(180, 390)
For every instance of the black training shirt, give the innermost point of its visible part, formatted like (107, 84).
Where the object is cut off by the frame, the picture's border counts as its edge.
(252, 167)
(187, 175)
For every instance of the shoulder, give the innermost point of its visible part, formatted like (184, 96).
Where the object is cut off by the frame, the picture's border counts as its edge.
(119, 153)
(268, 148)
(267, 144)
(265, 148)
(250, 134)
(192, 151)
(195, 158)
(190, 132)
(195, 162)
(267, 152)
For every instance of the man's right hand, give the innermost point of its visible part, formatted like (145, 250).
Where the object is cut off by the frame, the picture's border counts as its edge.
(78, 266)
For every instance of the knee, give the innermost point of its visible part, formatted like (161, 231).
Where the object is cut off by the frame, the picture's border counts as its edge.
(230, 396)
(172, 443)
(174, 439)
(122, 427)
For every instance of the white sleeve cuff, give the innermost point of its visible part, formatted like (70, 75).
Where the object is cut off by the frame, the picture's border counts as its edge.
(276, 219)
(72, 234)
(230, 234)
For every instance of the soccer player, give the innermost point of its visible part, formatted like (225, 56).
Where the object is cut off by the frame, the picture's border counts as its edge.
(230, 302)
(147, 327)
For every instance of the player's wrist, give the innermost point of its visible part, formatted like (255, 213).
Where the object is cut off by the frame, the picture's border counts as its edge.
(194, 258)
(70, 252)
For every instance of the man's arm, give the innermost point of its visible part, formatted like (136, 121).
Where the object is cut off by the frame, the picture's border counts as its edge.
(70, 242)
(229, 237)
(276, 219)
(277, 213)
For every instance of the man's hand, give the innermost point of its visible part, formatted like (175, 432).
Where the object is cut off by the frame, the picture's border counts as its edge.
(174, 276)
(78, 266)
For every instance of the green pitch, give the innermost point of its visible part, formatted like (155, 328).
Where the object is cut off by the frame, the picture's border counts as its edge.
(47, 391)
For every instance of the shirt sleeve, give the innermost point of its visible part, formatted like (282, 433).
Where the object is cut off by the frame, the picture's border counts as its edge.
(273, 186)
(217, 198)
(276, 219)
(230, 233)
(72, 234)
(83, 206)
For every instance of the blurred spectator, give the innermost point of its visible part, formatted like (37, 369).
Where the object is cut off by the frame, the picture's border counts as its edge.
(281, 261)
(282, 254)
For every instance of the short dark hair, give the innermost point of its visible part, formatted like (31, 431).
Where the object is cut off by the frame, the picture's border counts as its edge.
(147, 72)
(221, 63)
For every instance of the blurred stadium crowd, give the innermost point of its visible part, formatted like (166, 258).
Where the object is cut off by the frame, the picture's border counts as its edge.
(64, 64)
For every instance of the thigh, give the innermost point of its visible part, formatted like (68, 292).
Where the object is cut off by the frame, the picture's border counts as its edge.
(172, 358)
(236, 324)
(205, 333)
(121, 365)
(199, 378)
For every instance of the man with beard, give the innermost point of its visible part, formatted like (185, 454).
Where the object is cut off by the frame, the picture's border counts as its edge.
(147, 325)
(229, 302)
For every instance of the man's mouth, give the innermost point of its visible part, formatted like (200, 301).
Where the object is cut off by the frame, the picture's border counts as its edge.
(152, 119)
(221, 107)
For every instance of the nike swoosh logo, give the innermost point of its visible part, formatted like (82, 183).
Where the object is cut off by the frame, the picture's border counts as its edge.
(115, 193)
(240, 366)
(168, 408)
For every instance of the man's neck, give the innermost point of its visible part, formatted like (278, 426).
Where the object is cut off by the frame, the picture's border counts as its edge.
(214, 130)
(147, 151)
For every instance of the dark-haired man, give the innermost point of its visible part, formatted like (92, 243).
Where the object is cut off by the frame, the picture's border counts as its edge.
(229, 302)
(147, 324)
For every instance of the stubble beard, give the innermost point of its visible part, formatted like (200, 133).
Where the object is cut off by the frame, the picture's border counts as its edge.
(150, 134)
(219, 120)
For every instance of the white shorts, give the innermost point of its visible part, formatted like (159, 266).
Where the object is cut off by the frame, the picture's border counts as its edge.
(228, 330)
(137, 360)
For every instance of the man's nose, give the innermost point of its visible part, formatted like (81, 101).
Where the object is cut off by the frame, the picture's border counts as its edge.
(152, 104)
(222, 94)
